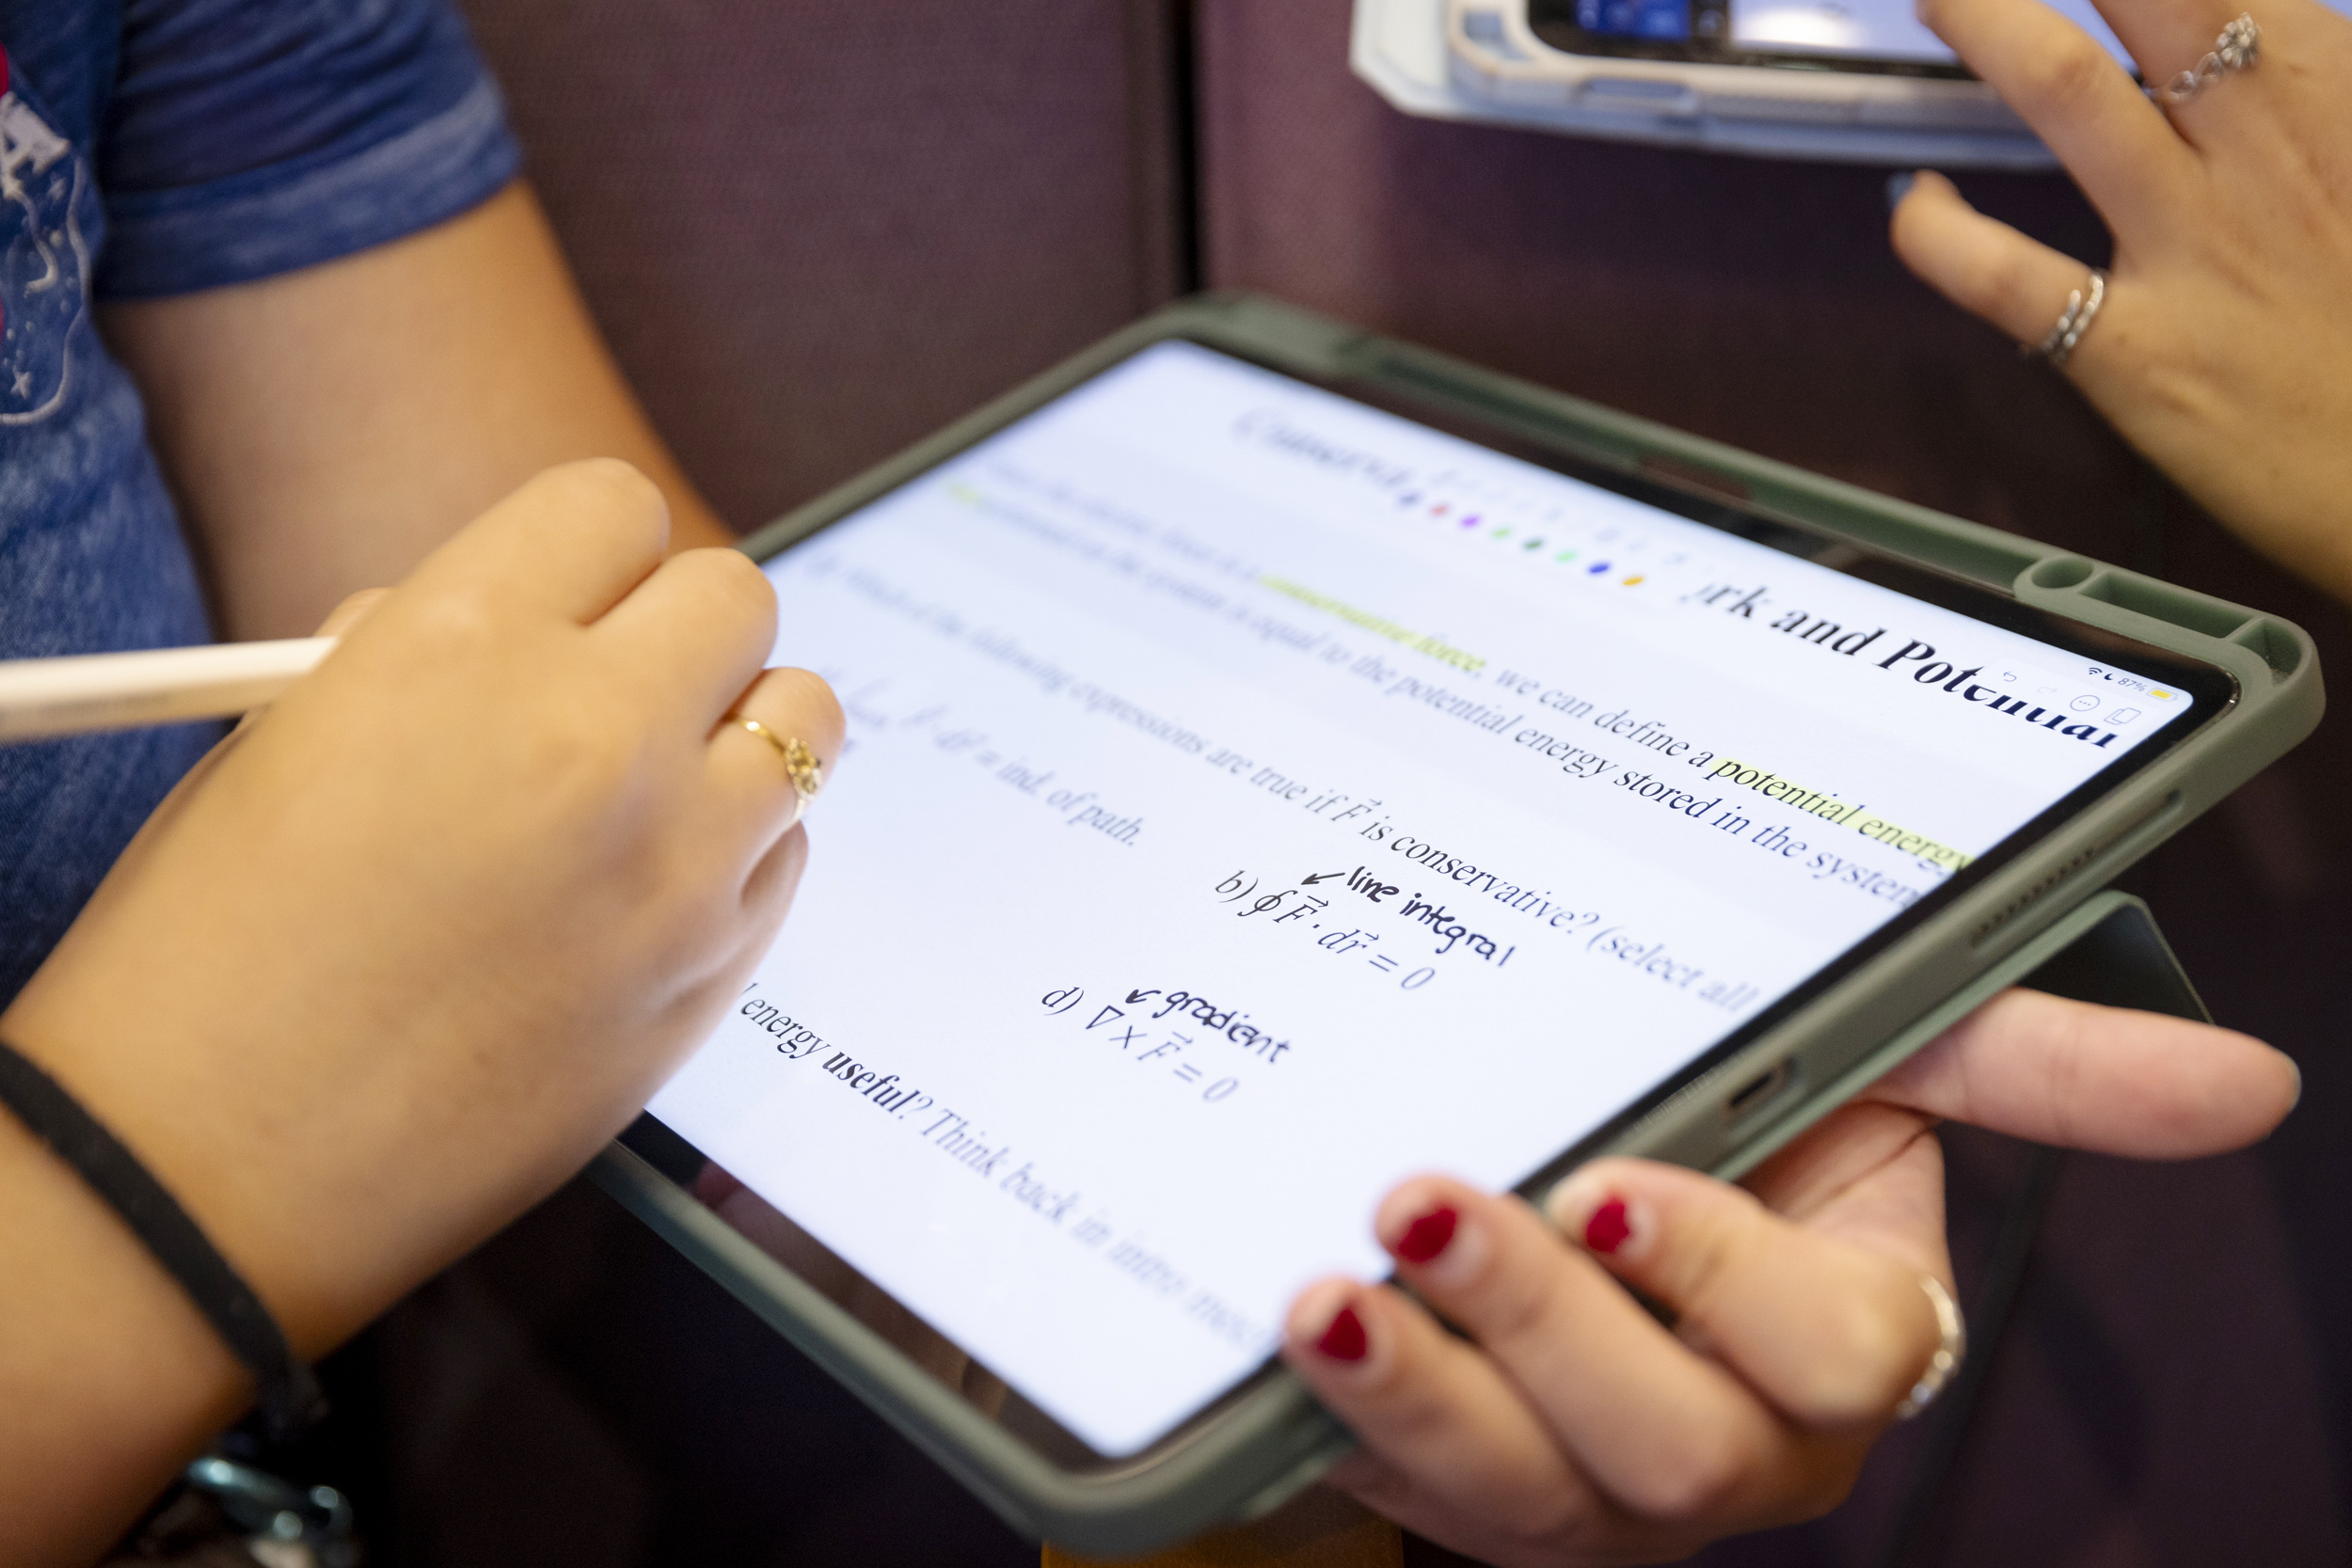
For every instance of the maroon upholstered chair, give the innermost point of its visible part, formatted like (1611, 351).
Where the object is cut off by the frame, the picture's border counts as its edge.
(814, 232)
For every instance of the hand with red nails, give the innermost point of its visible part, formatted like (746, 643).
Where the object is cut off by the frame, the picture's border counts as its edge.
(1569, 1426)
(2223, 347)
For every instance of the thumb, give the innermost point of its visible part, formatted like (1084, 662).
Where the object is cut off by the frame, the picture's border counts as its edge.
(341, 618)
(2104, 1079)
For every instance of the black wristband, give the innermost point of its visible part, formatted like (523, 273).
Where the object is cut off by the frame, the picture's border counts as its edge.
(289, 1398)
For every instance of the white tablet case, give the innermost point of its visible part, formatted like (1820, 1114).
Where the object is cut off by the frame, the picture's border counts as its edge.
(1477, 60)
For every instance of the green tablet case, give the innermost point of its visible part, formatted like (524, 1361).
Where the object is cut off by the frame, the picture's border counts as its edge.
(2044, 919)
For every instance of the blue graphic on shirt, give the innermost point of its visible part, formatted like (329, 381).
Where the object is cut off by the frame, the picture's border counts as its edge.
(152, 148)
(45, 263)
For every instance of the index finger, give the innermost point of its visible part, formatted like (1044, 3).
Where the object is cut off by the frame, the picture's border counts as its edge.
(573, 541)
(1665, 1433)
(2117, 145)
(2104, 1079)
(1832, 1332)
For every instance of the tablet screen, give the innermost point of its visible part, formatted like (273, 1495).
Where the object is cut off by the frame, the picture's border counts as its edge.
(1877, 29)
(1865, 29)
(1255, 796)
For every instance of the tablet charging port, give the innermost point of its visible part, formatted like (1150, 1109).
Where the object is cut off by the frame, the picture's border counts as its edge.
(1762, 1091)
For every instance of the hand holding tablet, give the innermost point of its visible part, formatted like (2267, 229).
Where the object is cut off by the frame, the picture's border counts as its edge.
(1571, 1427)
(1280, 775)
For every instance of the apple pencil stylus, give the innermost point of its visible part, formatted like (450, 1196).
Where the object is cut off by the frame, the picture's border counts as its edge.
(160, 686)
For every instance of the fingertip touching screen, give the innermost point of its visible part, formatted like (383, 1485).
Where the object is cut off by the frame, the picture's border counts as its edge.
(1256, 796)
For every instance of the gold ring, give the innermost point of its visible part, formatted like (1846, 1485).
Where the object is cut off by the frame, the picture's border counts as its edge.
(799, 764)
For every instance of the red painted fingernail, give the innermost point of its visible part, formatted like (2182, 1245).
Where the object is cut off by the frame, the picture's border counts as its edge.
(1429, 1235)
(1607, 1229)
(1343, 1338)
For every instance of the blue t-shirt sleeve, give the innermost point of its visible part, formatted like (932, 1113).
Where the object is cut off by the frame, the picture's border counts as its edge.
(250, 137)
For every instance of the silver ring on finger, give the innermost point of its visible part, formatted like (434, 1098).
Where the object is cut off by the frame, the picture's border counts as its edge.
(2082, 308)
(2236, 48)
(801, 764)
(1950, 1350)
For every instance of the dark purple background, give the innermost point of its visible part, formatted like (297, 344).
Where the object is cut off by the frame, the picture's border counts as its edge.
(814, 232)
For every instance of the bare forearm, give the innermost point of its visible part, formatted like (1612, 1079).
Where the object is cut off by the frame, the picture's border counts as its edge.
(108, 1379)
(406, 1002)
(326, 428)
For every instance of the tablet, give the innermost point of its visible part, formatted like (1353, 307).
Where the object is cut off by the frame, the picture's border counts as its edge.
(1267, 780)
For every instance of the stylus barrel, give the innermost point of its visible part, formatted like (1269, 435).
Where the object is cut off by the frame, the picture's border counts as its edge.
(162, 685)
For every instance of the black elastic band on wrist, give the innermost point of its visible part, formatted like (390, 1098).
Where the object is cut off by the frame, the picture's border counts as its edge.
(289, 1398)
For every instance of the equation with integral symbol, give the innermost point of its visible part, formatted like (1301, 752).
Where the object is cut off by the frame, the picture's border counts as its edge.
(1303, 903)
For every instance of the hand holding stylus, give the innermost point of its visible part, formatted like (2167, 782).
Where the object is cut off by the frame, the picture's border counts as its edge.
(2222, 343)
(393, 961)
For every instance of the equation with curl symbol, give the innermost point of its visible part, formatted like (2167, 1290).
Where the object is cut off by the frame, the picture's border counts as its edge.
(1188, 1037)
